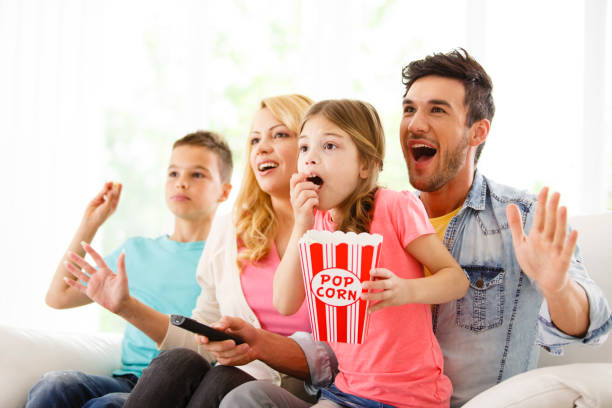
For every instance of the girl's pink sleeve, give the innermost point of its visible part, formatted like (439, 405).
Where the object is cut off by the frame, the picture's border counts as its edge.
(409, 217)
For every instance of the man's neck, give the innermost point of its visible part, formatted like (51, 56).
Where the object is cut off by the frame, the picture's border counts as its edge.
(450, 196)
(191, 230)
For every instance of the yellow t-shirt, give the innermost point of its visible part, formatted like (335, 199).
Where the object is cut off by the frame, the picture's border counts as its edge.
(440, 224)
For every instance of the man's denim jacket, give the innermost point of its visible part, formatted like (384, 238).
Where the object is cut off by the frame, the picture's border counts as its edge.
(494, 331)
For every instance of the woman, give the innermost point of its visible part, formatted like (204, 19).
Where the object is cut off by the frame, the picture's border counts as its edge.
(236, 271)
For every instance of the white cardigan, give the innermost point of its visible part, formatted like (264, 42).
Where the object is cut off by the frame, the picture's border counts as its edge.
(221, 295)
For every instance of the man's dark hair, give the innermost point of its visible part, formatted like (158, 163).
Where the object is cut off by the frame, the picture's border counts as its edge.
(458, 64)
(216, 144)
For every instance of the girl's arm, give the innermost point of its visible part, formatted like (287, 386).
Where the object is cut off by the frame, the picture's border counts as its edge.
(447, 282)
(288, 285)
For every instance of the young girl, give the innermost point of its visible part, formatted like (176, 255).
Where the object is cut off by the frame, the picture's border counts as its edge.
(399, 363)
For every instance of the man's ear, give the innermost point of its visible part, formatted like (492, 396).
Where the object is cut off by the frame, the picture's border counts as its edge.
(479, 132)
(227, 189)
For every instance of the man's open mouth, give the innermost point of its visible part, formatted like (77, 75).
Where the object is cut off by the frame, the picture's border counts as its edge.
(316, 180)
(421, 152)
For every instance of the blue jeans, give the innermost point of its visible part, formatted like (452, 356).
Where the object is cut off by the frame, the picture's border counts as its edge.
(63, 389)
(332, 393)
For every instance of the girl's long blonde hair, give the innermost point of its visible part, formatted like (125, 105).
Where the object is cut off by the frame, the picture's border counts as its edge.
(255, 219)
(360, 120)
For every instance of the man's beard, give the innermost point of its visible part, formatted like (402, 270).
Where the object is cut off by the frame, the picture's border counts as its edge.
(451, 163)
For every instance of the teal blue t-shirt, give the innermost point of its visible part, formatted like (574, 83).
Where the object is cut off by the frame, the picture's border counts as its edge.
(161, 274)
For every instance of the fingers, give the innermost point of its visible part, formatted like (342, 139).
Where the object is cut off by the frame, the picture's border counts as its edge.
(570, 246)
(78, 273)
(228, 322)
(561, 229)
(226, 349)
(306, 199)
(94, 255)
(540, 213)
(515, 223)
(373, 296)
(550, 223)
(115, 193)
(381, 273)
(382, 284)
(76, 284)
(121, 266)
(80, 262)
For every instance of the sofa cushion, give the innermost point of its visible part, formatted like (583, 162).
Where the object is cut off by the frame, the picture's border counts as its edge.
(573, 385)
(26, 354)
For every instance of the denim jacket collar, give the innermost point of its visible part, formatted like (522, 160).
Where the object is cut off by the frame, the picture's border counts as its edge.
(477, 195)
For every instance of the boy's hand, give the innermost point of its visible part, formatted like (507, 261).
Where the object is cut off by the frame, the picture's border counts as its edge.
(227, 352)
(103, 205)
(304, 199)
(390, 290)
(104, 287)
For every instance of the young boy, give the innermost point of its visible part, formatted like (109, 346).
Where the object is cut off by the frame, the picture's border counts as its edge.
(162, 277)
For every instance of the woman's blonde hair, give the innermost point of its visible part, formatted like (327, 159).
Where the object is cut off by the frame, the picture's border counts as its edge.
(255, 219)
(360, 120)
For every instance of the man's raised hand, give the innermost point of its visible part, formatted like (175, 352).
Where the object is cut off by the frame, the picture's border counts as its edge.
(545, 254)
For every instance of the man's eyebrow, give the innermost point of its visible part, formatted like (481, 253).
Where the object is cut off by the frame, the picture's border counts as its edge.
(439, 102)
(408, 101)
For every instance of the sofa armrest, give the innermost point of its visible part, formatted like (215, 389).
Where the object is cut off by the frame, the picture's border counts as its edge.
(565, 386)
(26, 354)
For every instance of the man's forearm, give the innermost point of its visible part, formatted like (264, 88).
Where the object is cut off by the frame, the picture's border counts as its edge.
(282, 354)
(569, 309)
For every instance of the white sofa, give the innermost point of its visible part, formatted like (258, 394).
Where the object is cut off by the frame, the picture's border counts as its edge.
(561, 382)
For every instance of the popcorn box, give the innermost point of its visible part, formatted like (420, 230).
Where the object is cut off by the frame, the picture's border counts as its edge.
(334, 264)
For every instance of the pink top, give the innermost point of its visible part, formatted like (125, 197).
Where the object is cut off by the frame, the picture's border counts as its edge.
(256, 281)
(400, 362)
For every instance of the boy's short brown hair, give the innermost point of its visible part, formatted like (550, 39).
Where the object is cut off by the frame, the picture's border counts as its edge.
(216, 144)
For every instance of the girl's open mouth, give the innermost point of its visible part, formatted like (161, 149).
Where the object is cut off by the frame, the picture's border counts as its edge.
(316, 180)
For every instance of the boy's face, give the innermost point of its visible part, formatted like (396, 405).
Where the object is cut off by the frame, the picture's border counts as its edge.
(193, 185)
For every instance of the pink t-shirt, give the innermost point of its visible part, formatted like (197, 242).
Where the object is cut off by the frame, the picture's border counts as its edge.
(256, 281)
(400, 362)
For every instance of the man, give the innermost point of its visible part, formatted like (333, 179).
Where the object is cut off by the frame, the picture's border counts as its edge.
(161, 272)
(526, 291)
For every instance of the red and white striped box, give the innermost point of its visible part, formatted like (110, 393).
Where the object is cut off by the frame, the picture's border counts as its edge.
(334, 264)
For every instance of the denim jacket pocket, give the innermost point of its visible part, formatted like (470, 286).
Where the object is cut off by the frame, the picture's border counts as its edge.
(482, 308)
